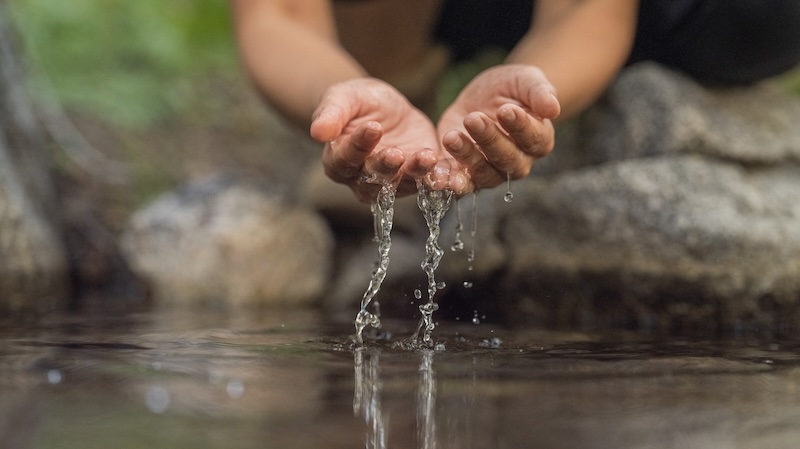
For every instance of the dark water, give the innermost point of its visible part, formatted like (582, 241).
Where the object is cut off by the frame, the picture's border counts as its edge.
(203, 379)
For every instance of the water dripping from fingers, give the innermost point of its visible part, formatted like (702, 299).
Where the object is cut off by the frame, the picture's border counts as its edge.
(433, 204)
(383, 214)
(473, 231)
(509, 195)
(458, 244)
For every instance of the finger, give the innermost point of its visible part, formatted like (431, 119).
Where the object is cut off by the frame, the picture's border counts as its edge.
(384, 164)
(327, 123)
(533, 136)
(420, 163)
(344, 158)
(468, 155)
(499, 149)
(542, 101)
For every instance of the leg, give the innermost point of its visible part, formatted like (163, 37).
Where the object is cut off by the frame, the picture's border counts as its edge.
(720, 42)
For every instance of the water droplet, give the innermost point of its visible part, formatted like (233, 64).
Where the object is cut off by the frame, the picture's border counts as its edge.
(157, 399)
(54, 377)
(493, 343)
(458, 244)
(235, 388)
(467, 284)
(441, 285)
(417, 293)
(475, 319)
(508, 196)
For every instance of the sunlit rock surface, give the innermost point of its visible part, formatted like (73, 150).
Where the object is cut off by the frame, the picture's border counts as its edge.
(685, 212)
(228, 241)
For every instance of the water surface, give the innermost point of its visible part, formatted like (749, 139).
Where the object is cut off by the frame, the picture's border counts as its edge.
(286, 379)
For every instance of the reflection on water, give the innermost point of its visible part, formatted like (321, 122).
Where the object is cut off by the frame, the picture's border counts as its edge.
(206, 379)
(367, 398)
(367, 395)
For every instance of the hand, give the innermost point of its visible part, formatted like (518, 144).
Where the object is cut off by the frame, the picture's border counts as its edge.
(371, 131)
(500, 124)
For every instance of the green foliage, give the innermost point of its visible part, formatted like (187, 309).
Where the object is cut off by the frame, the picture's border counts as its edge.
(130, 62)
(792, 80)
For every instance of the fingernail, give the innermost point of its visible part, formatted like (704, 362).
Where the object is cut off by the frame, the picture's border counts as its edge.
(477, 124)
(456, 143)
(371, 133)
(507, 114)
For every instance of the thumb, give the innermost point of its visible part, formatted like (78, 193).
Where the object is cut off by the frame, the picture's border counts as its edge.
(543, 101)
(327, 123)
(333, 113)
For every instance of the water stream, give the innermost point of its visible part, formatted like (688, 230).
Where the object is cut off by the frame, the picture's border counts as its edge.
(434, 205)
(383, 218)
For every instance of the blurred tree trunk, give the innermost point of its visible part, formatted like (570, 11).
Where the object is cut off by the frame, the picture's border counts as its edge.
(33, 267)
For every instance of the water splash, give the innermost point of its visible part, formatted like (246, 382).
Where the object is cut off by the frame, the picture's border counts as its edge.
(473, 231)
(433, 204)
(383, 214)
(508, 196)
(458, 244)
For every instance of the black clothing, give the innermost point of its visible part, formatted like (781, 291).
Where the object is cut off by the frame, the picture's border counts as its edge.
(714, 41)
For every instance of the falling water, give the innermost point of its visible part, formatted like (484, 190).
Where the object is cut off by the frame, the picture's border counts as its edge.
(383, 213)
(508, 196)
(458, 244)
(473, 231)
(433, 204)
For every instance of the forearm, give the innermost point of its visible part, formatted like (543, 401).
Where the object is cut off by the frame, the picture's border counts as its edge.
(580, 45)
(290, 50)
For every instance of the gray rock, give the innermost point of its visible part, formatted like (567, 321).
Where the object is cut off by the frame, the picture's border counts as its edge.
(225, 240)
(684, 237)
(33, 264)
(651, 110)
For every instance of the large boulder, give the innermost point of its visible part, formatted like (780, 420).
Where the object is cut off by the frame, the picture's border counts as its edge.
(225, 240)
(652, 110)
(659, 240)
(684, 212)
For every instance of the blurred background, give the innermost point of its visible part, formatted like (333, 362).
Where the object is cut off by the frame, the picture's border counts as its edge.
(153, 84)
(157, 86)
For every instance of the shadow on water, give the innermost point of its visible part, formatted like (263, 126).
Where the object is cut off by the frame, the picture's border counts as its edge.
(287, 379)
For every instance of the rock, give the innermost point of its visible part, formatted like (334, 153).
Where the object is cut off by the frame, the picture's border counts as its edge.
(33, 267)
(651, 110)
(226, 240)
(678, 210)
(654, 240)
(33, 264)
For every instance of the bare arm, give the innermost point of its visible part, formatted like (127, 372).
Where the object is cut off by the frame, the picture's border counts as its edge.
(291, 51)
(580, 45)
(501, 122)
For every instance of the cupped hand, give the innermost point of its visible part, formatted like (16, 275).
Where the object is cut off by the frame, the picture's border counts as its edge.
(373, 135)
(500, 123)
